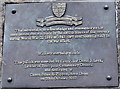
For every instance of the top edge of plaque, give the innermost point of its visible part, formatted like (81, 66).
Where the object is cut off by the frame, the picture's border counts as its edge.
(73, 1)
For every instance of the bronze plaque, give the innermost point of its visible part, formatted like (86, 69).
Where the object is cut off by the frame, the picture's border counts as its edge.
(60, 44)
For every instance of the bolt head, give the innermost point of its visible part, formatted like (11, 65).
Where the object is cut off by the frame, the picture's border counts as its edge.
(13, 11)
(106, 7)
(108, 78)
(9, 80)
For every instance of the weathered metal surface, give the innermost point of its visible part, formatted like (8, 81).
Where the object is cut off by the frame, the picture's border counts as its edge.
(70, 45)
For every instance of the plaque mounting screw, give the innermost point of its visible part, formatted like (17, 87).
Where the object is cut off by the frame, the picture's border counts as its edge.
(13, 11)
(9, 80)
(106, 7)
(108, 78)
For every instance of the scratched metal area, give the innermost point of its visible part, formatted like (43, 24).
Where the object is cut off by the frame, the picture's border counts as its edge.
(94, 14)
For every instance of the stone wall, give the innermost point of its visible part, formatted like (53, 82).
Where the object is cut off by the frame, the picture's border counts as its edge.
(2, 3)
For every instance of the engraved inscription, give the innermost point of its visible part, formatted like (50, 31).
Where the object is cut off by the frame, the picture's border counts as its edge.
(60, 35)
(58, 69)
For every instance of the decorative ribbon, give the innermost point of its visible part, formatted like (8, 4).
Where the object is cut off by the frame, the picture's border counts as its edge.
(50, 21)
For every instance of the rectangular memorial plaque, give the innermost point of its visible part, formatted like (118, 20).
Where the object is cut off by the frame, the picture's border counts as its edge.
(60, 44)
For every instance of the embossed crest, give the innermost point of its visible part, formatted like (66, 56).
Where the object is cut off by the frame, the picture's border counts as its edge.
(59, 9)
